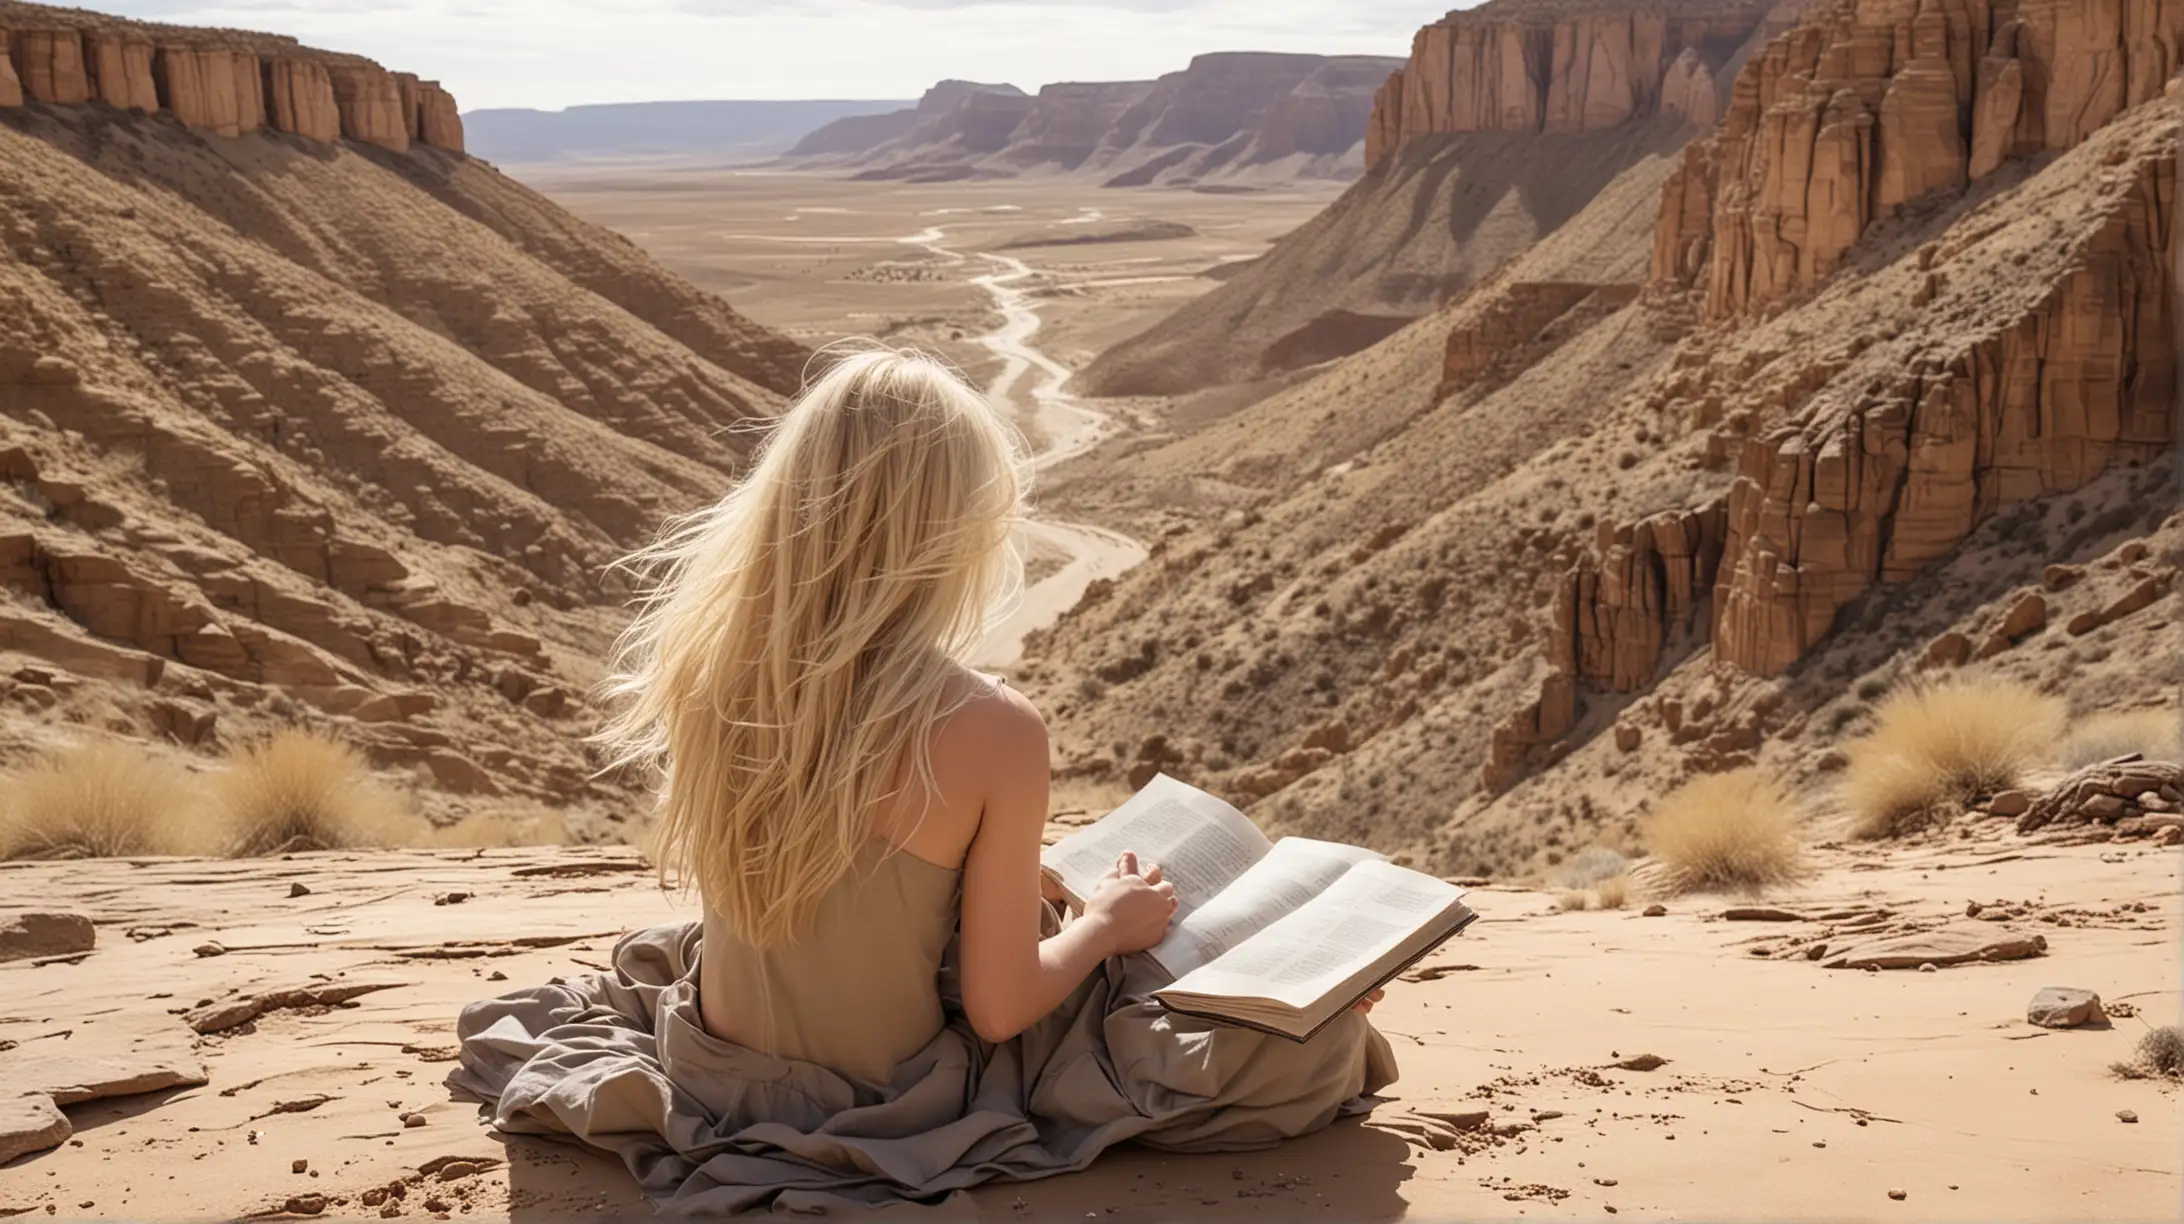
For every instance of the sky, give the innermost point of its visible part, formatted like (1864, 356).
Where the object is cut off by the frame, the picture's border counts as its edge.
(555, 53)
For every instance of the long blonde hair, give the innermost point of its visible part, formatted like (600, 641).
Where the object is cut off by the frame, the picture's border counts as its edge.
(795, 640)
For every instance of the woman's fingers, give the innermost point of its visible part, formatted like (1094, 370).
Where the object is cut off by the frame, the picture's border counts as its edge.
(1127, 864)
(1152, 874)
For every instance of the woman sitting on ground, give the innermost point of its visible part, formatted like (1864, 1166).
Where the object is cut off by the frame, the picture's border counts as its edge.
(879, 1003)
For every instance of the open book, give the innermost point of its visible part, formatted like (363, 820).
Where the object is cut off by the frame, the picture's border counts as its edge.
(1278, 936)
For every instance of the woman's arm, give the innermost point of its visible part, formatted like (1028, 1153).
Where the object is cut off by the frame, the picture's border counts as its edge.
(1011, 977)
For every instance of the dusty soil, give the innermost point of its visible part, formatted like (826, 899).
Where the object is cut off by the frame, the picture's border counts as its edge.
(820, 258)
(1789, 1090)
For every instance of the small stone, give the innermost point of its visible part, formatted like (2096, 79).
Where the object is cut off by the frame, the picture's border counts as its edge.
(413, 1119)
(2059, 1007)
(389, 1211)
(2126, 1115)
(456, 1170)
(1642, 1062)
(298, 890)
(299, 1166)
(31, 1123)
(23, 936)
(1603, 1181)
(496, 976)
(1899, 1195)
(436, 1204)
(209, 948)
(1654, 910)
(451, 898)
(2060, 577)
(2010, 803)
(2169, 835)
(306, 1204)
(1929, 967)
(2102, 808)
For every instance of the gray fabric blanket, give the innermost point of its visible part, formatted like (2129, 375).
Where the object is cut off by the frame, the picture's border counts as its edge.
(622, 1062)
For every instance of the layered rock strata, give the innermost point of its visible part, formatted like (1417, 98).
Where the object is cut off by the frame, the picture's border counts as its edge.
(1515, 68)
(226, 90)
(1873, 103)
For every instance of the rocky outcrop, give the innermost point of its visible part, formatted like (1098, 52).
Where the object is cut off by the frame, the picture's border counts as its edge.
(1068, 122)
(121, 70)
(430, 113)
(1513, 68)
(370, 102)
(1873, 103)
(1510, 332)
(299, 98)
(215, 89)
(1874, 492)
(51, 67)
(11, 86)
(220, 82)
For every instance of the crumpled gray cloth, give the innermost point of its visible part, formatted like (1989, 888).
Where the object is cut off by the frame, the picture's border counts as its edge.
(623, 1063)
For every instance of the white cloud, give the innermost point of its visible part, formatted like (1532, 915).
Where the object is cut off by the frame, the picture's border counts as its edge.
(551, 53)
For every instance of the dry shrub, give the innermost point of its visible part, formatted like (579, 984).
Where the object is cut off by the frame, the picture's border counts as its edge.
(1734, 830)
(1572, 899)
(1589, 866)
(98, 800)
(521, 825)
(1612, 893)
(300, 790)
(2157, 735)
(2160, 1054)
(1937, 745)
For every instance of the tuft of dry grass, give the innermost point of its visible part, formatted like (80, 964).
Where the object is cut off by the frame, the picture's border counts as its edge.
(300, 790)
(99, 799)
(2160, 1054)
(1735, 830)
(2157, 735)
(1570, 899)
(1612, 893)
(1944, 744)
(524, 825)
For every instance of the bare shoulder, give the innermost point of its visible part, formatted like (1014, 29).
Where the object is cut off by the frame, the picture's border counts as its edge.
(991, 719)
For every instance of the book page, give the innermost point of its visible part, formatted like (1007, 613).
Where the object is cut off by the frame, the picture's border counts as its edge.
(1200, 843)
(1295, 871)
(1361, 917)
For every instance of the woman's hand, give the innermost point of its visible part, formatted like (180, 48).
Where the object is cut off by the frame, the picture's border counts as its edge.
(1131, 908)
(1365, 1005)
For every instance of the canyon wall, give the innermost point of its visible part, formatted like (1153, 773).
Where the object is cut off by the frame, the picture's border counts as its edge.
(1873, 103)
(2036, 347)
(1511, 67)
(224, 90)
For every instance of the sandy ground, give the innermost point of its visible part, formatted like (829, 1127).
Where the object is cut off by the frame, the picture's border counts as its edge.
(821, 258)
(1789, 1091)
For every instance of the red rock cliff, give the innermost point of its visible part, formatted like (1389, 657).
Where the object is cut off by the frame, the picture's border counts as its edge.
(1537, 66)
(1872, 103)
(216, 81)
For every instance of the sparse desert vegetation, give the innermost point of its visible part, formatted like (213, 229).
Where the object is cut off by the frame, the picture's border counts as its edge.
(301, 790)
(2160, 1055)
(295, 790)
(99, 799)
(1728, 831)
(2157, 735)
(1943, 744)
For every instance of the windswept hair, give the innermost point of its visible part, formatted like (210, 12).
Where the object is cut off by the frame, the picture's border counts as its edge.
(794, 641)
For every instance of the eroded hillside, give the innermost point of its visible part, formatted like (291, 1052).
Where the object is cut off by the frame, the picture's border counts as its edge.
(301, 425)
(1504, 123)
(1574, 537)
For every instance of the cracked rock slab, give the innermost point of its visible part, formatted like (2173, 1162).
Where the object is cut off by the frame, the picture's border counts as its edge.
(31, 1123)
